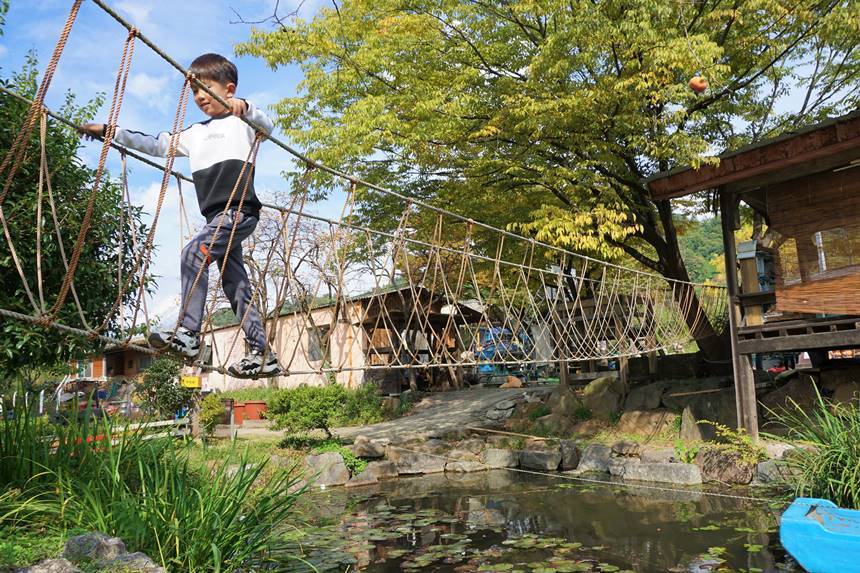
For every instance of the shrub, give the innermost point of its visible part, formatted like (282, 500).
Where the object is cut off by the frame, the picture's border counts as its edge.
(738, 441)
(362, 406)
(212, 411)
(160, 391)
(686, 453)
(249, 394)
(322, 407)
(307, 408)
(827, 466)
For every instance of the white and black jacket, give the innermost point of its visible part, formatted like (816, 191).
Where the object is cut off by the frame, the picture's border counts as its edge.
(217, 149)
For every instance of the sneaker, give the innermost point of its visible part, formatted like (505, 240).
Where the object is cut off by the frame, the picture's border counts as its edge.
(254, 366)
(183, 342)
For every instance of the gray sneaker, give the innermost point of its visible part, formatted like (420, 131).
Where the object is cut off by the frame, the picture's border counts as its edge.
(254, 366)
(183, 342)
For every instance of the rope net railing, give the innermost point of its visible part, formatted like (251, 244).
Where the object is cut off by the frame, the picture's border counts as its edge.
(341, 293)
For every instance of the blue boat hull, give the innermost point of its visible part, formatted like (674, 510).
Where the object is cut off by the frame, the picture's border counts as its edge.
(822, 537)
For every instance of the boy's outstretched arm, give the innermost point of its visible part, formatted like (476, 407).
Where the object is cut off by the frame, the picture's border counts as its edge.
(150, 144)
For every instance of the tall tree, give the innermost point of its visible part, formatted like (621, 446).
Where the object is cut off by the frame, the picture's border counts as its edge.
(547, 115)
(26, 348)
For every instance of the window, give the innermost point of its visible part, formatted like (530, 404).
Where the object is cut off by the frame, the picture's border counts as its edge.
(319, 343)
(144, 361)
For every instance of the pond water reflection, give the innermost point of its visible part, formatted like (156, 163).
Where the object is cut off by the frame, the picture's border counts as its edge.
(504, 521)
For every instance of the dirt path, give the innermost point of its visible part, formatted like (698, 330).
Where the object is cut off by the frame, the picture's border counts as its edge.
(434, 415)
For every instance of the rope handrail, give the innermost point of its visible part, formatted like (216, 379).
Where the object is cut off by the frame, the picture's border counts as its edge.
(323, 219)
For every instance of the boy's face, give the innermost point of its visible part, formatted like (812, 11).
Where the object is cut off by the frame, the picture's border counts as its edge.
(207, 103)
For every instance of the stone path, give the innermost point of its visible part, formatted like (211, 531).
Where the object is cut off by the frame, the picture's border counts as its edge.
(436, 414)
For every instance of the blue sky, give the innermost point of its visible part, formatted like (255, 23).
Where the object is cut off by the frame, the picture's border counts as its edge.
(184, 29)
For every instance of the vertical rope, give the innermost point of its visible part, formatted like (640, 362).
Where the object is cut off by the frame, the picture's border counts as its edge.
(116, 105)
(15, 155)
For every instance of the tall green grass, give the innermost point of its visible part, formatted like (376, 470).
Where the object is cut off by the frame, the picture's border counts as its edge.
(827, 465)
(94, 475)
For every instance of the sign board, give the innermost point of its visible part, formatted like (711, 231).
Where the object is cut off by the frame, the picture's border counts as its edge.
(191, 382)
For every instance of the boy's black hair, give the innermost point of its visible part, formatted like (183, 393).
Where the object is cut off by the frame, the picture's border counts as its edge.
(215, 67)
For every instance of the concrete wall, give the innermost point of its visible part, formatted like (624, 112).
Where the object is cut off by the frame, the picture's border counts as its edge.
(292, 343)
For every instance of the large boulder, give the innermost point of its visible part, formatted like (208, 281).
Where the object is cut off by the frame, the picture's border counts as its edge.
(595, 458)
(465, 466)
(724, 466)
(604, 396)
(800, 389)
(633, 469)
(364, 478)
(366, 448)
(647, 423)
(381, 469)
(645, 397)
(326, 469)
(691, 430)
(498, 458)
(134, 563)
(410, 463)
(846, 393)
(92, 547)
(51, 566)
(774, 471)
(540, 460)
(627, 448)
(658, 456)
(570, 455)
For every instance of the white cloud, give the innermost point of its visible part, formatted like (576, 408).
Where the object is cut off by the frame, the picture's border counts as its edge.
(150, 89)
(144, 85)
(138, 13)
(3, 51)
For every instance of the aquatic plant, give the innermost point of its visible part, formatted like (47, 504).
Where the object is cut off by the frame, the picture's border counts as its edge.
(826, 464)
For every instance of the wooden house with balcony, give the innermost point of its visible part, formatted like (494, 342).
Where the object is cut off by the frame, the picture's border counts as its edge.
(800, 290)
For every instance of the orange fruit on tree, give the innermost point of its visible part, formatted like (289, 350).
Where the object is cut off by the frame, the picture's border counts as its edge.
(698, 84)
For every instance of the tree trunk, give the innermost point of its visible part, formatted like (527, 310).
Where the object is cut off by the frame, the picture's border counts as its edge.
(713, 345)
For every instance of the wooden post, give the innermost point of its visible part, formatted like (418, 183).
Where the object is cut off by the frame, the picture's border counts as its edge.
(563, 366)
(745, 397)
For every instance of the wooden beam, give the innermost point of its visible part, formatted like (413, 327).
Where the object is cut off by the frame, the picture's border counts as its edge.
(785, 157)
(800, 342)
(744, 382)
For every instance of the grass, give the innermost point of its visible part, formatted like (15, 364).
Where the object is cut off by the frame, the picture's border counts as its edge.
(827, 465)
(93, 475)
(26, 545)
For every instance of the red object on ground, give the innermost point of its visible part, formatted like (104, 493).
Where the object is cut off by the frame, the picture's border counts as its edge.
(698, 84)
(254, 409)
(238, 413)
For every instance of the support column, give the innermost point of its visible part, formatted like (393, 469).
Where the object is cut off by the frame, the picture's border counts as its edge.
(745, 397)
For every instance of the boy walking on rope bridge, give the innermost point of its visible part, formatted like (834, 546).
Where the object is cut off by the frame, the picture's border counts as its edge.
(217, 149)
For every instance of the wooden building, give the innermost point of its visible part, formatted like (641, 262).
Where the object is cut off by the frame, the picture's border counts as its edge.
(801, 290)
(365, 338)
(115, 364)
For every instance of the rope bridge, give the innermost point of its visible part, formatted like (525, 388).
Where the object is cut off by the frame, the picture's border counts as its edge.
(340, 294)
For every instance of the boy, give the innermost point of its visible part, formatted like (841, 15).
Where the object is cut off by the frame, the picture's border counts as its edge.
(217, 149)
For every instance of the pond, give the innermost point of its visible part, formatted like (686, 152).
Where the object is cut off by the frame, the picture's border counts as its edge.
(505, 521)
